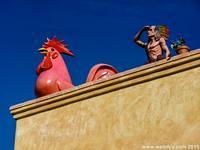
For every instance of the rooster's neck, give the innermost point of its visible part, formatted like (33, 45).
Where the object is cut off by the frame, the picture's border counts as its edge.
(59, 67)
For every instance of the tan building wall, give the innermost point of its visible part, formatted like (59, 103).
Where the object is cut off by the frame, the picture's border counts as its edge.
(154, 105)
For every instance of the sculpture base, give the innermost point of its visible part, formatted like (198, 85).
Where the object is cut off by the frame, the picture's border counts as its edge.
(153, 105)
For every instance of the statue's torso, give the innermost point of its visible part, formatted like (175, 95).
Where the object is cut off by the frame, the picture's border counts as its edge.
(154, 50)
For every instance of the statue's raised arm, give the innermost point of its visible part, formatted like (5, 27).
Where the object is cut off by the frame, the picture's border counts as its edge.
(138, 35)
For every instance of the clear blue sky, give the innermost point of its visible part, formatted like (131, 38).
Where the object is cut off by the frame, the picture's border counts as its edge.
(97, 31)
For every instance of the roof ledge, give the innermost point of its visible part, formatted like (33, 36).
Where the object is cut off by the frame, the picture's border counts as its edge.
(121, 80)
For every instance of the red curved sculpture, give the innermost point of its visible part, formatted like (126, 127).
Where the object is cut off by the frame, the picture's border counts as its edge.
(100, 71)
(52, 72)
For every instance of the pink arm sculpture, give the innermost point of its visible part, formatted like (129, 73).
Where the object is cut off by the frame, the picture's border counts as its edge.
(53, 75)
(100, 71)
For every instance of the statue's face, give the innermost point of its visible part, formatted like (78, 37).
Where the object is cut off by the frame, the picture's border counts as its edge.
(151, 31)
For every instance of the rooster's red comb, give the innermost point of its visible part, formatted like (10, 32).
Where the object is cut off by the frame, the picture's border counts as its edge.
(58, 45)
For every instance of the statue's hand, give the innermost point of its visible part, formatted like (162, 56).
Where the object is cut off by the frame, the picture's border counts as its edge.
(168, 56)
(145, 28)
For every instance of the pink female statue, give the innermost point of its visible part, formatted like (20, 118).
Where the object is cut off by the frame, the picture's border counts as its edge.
(101, 71)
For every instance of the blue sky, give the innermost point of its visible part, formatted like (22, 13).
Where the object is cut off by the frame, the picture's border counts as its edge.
(97, 31)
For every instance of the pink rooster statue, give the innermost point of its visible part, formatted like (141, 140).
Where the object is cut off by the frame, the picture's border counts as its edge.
(52, 72)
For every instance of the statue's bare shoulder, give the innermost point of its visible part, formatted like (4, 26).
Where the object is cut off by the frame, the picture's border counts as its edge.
(162, 41)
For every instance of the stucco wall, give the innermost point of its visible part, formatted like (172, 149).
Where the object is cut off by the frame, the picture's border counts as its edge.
(157, 111)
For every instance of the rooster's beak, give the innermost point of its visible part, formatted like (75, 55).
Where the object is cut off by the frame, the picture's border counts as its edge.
(43, 51)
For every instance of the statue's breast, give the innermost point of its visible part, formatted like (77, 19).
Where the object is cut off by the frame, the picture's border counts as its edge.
(153, 45)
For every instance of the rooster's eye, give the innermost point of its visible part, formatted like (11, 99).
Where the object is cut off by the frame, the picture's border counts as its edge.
(52, 49)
